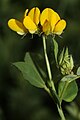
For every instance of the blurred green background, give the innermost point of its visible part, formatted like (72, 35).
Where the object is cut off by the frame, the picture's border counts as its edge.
(18, 99)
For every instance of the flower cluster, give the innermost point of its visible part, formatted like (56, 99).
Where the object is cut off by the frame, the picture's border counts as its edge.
(34, 22)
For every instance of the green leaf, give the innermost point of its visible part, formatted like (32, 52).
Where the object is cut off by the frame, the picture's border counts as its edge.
(66, 53)
(71, 62)
(70, 78)
(55, 49)
(69, 92)
(30, 72)
(64, 56)
(61, 57)
(78, 71)
(38, 59)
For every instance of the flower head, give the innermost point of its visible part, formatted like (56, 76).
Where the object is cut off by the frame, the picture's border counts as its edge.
(29, 23)
(48, 22)
(51, 22)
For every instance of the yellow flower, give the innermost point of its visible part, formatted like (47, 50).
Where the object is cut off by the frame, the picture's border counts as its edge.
(48, 22)
(29, 23)
(51, 22)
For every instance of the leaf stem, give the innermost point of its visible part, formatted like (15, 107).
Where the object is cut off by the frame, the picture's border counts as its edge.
(63, 91)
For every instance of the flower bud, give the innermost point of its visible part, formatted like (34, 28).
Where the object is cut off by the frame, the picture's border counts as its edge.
(66, 63)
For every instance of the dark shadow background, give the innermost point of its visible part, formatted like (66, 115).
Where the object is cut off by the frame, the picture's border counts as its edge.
(18, 99)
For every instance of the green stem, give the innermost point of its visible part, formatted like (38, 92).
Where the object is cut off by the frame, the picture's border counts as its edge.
(50, 79)
(46, 58)
(61, 113)
(47, 63)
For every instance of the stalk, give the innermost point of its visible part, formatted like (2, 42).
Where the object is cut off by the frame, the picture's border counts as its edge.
(50, 78)
(47, 63)
(61, 113)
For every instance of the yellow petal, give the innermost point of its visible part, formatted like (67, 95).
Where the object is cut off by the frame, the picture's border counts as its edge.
(34, 14)
(54, 19)
(25, 13)
(60, 26)
(46, 28)
(46, 15)
(29, 24)
(51, 16)
(17, 26)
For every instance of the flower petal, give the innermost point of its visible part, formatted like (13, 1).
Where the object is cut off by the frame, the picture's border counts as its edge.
(49, 15)
(46, 27)
(60, 26)
(25, 13)
(17, 26)
(34, 14)
(29, 24)
(44, 16)
(54, 19)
